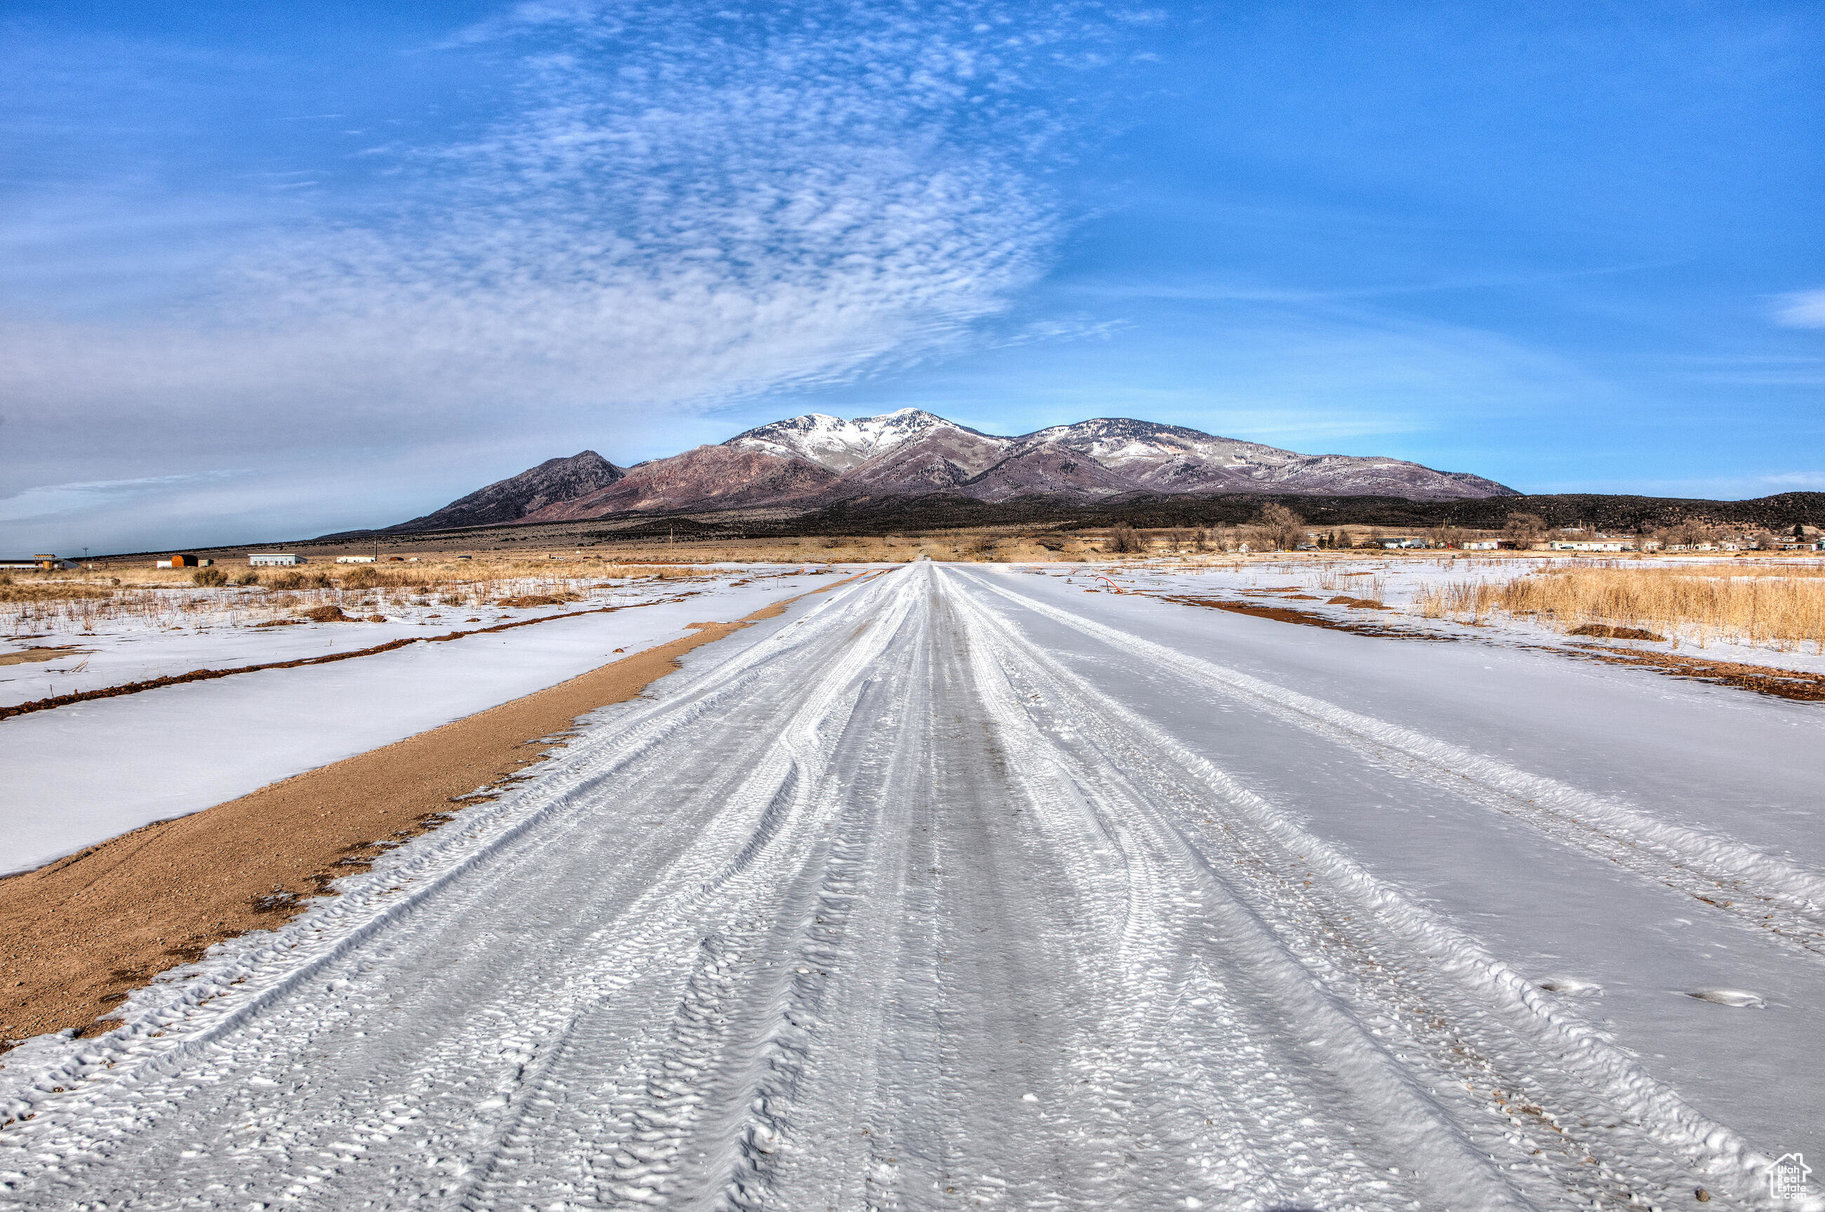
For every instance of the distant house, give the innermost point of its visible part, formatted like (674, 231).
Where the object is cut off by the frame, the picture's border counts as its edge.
(273, 559)
(1402, 544)
(1481, 544)
(355, 559)
(37, 563)
(1591, 545)
(181, 561)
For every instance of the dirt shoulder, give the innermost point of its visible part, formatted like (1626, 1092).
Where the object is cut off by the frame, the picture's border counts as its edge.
(78, 934)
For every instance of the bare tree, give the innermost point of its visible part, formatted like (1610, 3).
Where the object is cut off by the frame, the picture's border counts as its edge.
(1689, 533)
(1524, 529)
(1280, 527)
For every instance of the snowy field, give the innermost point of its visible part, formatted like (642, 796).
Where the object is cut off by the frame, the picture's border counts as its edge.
(1401, 584)
(968, 887)
(85, 772)
(173, 630)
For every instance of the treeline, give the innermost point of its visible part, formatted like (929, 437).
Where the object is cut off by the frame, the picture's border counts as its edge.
(1594, 511)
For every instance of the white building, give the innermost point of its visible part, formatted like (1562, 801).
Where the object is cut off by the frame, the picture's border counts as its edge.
(1590, 545)
(354, 559)
(273, 559)
(1482, 544)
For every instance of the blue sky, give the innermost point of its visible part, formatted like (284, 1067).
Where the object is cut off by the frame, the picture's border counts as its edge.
(270, 270)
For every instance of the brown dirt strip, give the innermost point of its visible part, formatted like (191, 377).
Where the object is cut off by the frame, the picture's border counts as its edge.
(78, 934)
(1608, 631)
(1780, 683)
(208, 675)
(1288, 614)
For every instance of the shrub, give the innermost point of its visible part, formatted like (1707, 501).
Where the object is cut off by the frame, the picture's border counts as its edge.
(1125, 538)
(209, 578)
(365, 576)
(248, 578)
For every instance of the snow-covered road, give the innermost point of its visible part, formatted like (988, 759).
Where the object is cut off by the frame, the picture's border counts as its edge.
(960, 887)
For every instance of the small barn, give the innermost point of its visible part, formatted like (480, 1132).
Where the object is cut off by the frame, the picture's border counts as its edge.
(37, 563)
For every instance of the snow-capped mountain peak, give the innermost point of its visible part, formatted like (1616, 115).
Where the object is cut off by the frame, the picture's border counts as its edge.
(840, 445)
(1118, 442)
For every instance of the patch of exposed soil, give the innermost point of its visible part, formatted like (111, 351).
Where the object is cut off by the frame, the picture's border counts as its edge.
(78, 934)
(1356, 603)
(327, 614)
(527, 601)
(1605, 631)
(32, 656)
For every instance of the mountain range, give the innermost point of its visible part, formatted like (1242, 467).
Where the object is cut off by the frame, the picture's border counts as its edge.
(816, 460)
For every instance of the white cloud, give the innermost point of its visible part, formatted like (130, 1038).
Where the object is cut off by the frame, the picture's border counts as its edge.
(1801, 309)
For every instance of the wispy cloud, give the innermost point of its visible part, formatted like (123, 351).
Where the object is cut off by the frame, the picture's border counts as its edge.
(56, 500)
(677, 204)
(1745, 486)
(1801, 309)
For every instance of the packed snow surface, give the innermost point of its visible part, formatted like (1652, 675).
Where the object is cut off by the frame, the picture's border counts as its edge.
(963, 887)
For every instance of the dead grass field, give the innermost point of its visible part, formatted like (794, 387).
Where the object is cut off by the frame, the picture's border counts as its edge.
(86, 601)
(1778, 606)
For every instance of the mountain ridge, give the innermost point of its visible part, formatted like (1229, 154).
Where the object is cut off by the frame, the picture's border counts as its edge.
(816, 460)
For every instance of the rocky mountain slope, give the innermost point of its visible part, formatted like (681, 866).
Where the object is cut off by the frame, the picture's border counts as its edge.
(708, 477)
(817, 460)
(512, 499)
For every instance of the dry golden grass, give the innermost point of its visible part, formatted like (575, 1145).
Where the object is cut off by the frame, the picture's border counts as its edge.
(1778, 606)
(53, 591)
(88, 600)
